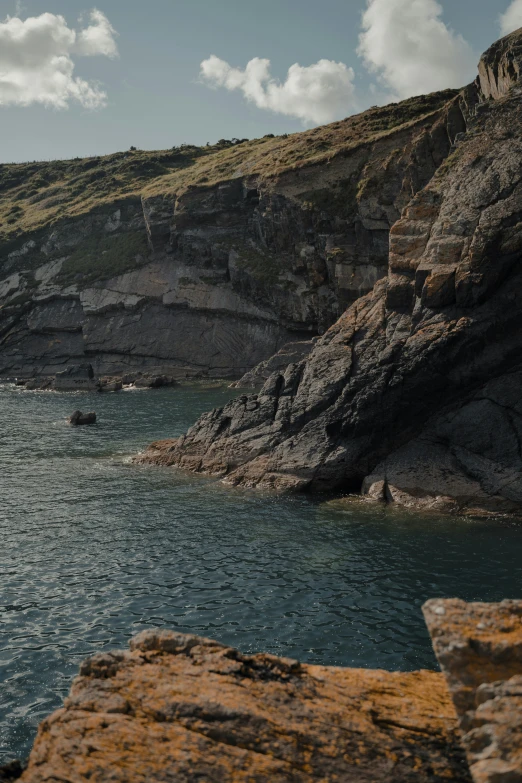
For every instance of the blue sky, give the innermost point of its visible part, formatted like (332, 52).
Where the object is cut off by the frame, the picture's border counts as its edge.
(155, 98)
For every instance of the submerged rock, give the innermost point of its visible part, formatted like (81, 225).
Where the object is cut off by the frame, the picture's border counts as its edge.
(78, 418)
(183, 708)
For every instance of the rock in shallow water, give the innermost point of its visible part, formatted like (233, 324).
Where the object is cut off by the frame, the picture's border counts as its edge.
(182, 708)
(78, 418)
(78, 377)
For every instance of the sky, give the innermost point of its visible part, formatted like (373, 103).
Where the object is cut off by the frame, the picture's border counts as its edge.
(80, 79)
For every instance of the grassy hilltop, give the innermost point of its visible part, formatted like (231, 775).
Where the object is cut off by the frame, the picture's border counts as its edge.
(34, 195)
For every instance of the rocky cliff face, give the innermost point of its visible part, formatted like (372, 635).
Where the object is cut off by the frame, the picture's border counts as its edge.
(413, 396)
(207, 263)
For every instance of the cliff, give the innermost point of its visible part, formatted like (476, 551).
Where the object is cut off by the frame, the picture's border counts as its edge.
(412, 396)
(183, 708)
(207, 261)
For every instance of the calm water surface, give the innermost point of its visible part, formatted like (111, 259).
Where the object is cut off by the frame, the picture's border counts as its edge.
(93, 550)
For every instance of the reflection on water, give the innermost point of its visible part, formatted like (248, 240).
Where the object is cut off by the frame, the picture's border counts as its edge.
(94, 550)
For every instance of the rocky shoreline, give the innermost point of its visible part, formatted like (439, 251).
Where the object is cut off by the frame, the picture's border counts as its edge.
(413, 396)
(184, 708)
(82, 378)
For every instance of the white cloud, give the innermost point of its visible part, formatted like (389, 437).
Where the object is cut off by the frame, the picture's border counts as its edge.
(98, 38)
(413, 51)
(315, 94)
(36, 64)
(511, 19)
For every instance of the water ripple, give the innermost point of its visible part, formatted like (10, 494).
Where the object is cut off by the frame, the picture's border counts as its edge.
(95, 550)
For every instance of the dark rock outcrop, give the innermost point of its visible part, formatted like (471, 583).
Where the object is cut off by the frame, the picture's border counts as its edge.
(479, 647)
(154, 382)
(111, 384)
(413, 396)
(182, 708)
(288, 354)
(11, 772)
(79, 419)
(76, 378)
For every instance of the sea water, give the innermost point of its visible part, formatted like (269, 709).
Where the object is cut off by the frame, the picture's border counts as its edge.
(94, 550)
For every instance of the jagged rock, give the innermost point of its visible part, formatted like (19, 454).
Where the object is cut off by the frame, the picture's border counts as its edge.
(78, 418)
(111, 384)
(499, 68)
(39, 384)
(291, 353)
(77, 377)
(479, 648)
(416, 387)
(184, 708)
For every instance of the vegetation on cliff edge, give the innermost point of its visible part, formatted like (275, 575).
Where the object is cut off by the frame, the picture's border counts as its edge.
(35, 195)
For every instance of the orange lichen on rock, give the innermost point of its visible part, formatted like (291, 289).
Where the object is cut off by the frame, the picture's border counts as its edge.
(479, 647)
(182, 708)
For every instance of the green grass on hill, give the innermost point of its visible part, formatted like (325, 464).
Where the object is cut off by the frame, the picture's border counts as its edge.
(35, 195)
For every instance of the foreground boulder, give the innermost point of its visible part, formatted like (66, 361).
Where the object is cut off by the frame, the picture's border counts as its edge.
(479, 647)
(78, 418)
(182, 708)
(413, 396)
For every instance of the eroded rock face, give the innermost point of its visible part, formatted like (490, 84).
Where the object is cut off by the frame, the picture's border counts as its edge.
(413, 395)
(184, 708)
(216, 279)
(479, 648)
(499, 68)
(291, 353)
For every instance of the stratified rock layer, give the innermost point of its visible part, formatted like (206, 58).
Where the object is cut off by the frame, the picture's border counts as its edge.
(182, 708)
(216, 273)
(413, 396)
(479, 647)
